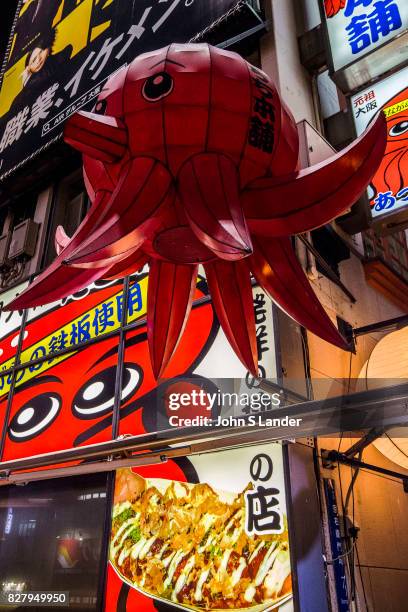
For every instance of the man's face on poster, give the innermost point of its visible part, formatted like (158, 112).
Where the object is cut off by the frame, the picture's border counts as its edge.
(37, 59)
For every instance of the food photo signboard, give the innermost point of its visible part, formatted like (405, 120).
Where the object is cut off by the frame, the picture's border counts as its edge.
(207, 532)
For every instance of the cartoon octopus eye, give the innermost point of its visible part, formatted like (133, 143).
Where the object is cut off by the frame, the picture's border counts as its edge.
(157, 86)
(35, 416)
(399, 128)
(100, 107)
(97, 396)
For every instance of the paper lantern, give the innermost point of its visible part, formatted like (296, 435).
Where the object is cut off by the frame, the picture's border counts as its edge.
(387, 366)
(191, 157)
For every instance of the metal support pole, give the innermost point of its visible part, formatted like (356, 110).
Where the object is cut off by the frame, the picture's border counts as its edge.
(359, 446)
(333, 457)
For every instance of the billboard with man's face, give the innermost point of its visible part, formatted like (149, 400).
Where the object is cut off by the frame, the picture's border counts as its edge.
(62, 51)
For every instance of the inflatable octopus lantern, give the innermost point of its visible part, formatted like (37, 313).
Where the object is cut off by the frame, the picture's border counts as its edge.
(190, 157)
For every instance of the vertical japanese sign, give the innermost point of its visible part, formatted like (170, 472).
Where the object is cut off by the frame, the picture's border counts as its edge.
(388, 192)
(357, 27)
(62, 51)
(265, 339)
(205, 532)
(336, 546)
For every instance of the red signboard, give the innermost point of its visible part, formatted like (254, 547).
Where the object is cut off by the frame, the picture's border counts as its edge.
(66, 399)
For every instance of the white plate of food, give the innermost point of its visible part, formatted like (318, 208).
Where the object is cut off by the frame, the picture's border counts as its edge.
(186, 545)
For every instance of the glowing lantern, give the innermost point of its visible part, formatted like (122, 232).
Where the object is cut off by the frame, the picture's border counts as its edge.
(190, 157)
(387, 364)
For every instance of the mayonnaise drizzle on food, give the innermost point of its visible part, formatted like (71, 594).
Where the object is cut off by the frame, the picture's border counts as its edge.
(173, 566)
(182, 579)
(201, 549)
(236, 574)
(198, 595)
(123, 532)
(266, 564)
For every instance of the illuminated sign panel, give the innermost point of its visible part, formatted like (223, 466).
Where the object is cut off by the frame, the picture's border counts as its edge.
(66, 392)
(357, 28)
(62, 51)
(207, 532)
(362, 25)
(388, 192)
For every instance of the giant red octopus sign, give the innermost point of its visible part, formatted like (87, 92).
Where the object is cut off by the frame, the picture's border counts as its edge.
(191, 157)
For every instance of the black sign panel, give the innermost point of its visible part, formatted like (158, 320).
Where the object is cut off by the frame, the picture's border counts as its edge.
(62, 51)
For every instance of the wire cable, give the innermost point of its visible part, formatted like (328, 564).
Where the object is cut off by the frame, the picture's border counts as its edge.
(342, 556)
(362, 580)
(349, 556)
(396, 446)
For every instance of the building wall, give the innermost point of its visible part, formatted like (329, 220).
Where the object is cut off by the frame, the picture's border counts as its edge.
(381, 506)
(329, 362)
(380, 513)
(280, 59)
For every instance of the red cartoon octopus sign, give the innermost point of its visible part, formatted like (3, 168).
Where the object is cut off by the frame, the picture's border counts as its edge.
(64, 391)
(388, 190)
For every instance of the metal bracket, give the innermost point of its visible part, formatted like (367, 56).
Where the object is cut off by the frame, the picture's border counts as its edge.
(365, 441)
(387, 326)
(331, 458)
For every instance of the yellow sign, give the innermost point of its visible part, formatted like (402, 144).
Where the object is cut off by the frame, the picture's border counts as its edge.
(395, 109)
(97, 321)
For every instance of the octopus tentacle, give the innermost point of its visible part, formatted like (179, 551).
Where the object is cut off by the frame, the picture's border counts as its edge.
(277, 270)
(130, 265)
(99, 136)
(133, 213)
(170, 295)
(231, 291)
(56, 285)
(208, 187)
(316, 195)
(61, 239)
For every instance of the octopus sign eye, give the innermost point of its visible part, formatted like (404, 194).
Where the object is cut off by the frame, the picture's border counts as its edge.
(97, 396)
(100, 107)
(35, 416)
(157, 86)
(399, 128)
